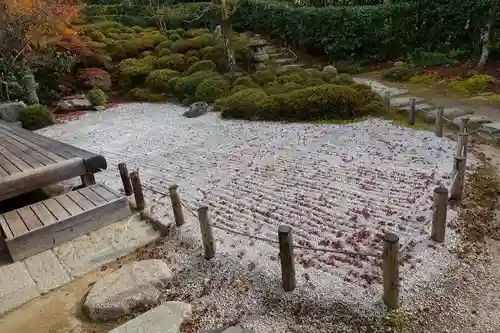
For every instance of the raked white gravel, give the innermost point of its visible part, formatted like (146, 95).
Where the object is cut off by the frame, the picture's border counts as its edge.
(338, 186)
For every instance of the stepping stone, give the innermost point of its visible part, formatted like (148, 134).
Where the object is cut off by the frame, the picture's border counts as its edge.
(282, 68)
(233, 329)
(395, 92)
(475, 122)
(449, 113)
(284, 61)
(492, 129)
(402, 101)
(166, 318)
(419, 107)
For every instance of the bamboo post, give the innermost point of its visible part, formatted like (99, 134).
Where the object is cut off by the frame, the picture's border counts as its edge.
(176, 205)
(286, 256)
(412, 113)
(206, 233)
(457, 186)
(127, 185)
(387, 100)
(439, 122)
(390, 268)
(464, 121)
(439, 214)
(137, 187)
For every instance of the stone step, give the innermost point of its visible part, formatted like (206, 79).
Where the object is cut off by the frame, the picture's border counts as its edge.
(418, 107)
(278, 55)
(296, 65)
(284, 61)
(449, 113)
(403, 101)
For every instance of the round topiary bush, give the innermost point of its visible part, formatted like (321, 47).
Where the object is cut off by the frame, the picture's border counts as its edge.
(94, 77)
(97, 97)
(171, 83)
(191, 33)
(401, 73)
(211, 89)
(274, 88)
(264, 76)
(191, 61)
(158, 80)
(242, 105)
(134, 71)
(164, 45)
(245, 81)
(35, 117)
(163, 52)
(174, 37)
(185, 87)
(342, 79)
(204, 65)
(174, 61)
(146, 95)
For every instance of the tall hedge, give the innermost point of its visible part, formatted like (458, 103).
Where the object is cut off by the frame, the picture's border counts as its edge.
(377, 32)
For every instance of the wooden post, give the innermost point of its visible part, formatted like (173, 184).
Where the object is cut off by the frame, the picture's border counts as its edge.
(387, 100)
(464, 121)
(286, 256)
(127, 185)
(138, 195)
(88, 179)
(465, 145)
(457, 187)
(412, 113)
(439, 122)
(206, 233)
(390, 268)
(439, 214)
(176, 205)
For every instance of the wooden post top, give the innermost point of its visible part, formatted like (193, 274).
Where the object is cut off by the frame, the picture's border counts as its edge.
(284, 229)
(440, 189)
(391, 238)
(173, 187)
(202, 209)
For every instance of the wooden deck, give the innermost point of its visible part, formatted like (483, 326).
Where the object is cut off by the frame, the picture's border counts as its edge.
(29, 161)
(43, 225)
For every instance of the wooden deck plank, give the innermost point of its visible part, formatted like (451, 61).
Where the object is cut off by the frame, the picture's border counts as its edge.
(104, 192)
(80, 200)
(3, 172)
(51, 144)
(43, 213)
(15, 223)
(5, 227)
(18, 162)
(8, 166)
(63, 231)
(68, 204)
(44, 152)
(56, 209)
(92, 196)
(30, 219)
(23, 182)
(18, 147)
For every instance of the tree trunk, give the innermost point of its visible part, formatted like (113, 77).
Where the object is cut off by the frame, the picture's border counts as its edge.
(486, 34)
(227, 34)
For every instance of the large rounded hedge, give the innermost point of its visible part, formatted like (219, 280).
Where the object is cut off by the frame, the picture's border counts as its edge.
(241, 104)
(35, 117)
(204, 65)
(134, 71)
(174, 61)
(211, 89)
(97, 97)
(185, 87)
(158, 80)
(196, 43)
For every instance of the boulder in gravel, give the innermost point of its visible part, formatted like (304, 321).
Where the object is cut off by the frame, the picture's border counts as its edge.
(74, 103)
(166, 318)
(330, 69)
(197, 109)
(11, 112)
(131, 287)
(475, 122)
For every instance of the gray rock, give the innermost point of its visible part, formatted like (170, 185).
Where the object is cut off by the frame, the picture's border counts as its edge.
(197, 109)
(218, 33)
(74, 103)
(492, 129)
(330, 69)
(402, 101)
(257, 42)
(100, 108)
(166, 318)
(475, 122)
(260, 57)
(11, 112)
(130, 287)
(449, 113)
(399, 64)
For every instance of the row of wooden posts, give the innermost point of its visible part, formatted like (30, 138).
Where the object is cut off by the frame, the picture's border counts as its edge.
(390, 255)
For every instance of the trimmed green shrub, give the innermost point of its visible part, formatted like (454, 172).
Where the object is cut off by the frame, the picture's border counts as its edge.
(173, 61)
(348, 67)
(264, 76)
(301, 77)
(146, 95)
(97, 97)
(191, 61)
(342, 79)
(205, 65)
(245, 81)
(134, 71)
(193, 53)
(146, 53)
(274, 88)
(401, 73)
(164, 45)
(217, 55)
(196, 33)
(158, 80)
(242, 104)
(476, 84)
(196, 43)
(35, 117)
(172, 82)
(211, 89)
(163, 52)
(185, 87)
(134, 46)
(174, 37)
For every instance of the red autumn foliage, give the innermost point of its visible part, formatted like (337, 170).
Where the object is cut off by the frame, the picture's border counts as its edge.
(94, 77)
(85, 51)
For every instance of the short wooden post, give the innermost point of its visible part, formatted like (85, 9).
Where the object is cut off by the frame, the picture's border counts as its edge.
(286, 256)
(464, 121)
(176, 205)
(439, 214)
(465, 145)
(137, 187)
(387, 100)
(127, 185)
(439, 122)
(412, 113)
(87, 179)
(390, 268)
(206, 233)
(457, 187)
